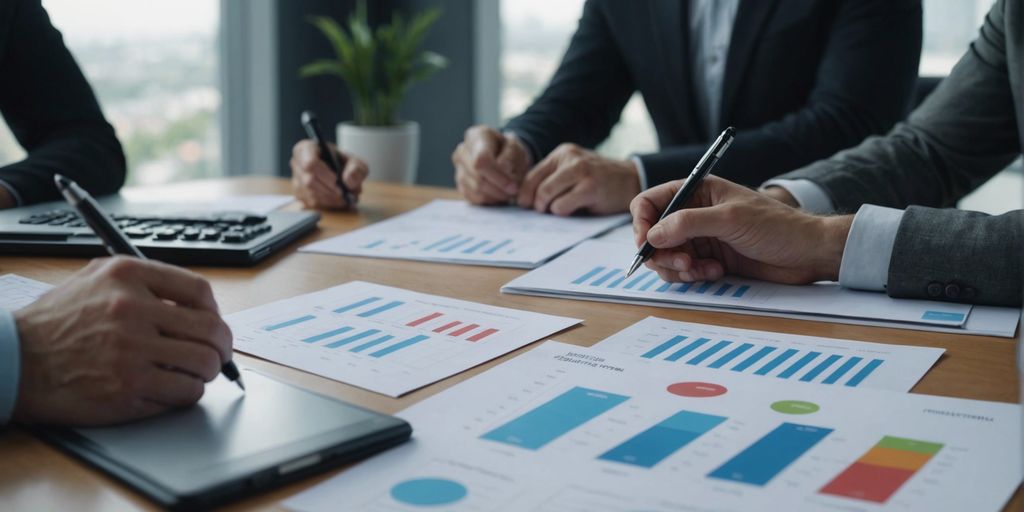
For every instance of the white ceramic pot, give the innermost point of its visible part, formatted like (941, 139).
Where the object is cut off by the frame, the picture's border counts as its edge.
(391, 152)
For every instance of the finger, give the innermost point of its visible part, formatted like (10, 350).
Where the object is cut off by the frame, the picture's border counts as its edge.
(577, 198)
(560, 182)
(171, 388)
(321, 190)
(483, 192)
(356, 172)
(165, 281)
(195, 325)
(536, 176)
(512, 159)
(483, 152)
(196, 359)
(306, 152)
(684, 225)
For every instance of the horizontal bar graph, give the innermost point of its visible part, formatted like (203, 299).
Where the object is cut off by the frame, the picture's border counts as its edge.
(357, 304)
(423, 320)
(555, 418)
(882, 470)
(655, 444)
(399, 346)
(765, 360)
(615, 278)
(289, 323)
(462, 244)
(762, 461)
(350, 339)
(380, 309)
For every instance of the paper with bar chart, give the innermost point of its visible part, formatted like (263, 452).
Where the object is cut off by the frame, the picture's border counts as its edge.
(809, 359)
(595, 270)
(385, 339)
(17, 292)
(568, 428)
(456, 232)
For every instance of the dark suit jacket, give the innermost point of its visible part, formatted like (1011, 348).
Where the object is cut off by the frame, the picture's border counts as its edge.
(968, 130)
(804, 79)
(51, 110)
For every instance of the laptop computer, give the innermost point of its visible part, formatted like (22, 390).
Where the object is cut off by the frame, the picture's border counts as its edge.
(162, 231)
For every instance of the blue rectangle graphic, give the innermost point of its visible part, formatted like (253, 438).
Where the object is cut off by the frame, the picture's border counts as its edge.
(494, 249)
(733, 354)
(750, 361)
(589, 275)
(673, 341)
(399, 346)
(943, 316)
(328, 334)
(555, 418)
(677, 355)
(355, 305)
(864, 372)
(800, 363)
(380, 309)
(740, 291)
(709, 352)
(350, 339)
(288, 323)
(655, 444)
(771, 454)
(838, 374)
(372, 343)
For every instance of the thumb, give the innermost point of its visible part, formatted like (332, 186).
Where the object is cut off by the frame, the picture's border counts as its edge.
(687, 224)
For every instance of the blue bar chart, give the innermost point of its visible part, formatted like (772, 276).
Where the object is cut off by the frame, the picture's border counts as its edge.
(555, 418)
(615, 278)
(770, 455)
(653, 445)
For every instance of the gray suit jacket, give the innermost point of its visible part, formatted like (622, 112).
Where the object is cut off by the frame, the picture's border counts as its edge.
(969, 129)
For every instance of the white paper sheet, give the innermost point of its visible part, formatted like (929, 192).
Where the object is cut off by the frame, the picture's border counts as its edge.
(259, 204)
(456, 232)
(594, 270)
(771, 355)
(564, 428)
(385, 339)
(17, 292)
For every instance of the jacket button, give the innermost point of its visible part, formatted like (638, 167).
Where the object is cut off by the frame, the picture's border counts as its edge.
(952, 291)
(934, 289)
(969, 293)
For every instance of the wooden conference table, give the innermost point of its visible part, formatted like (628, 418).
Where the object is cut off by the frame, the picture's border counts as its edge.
(35, 476)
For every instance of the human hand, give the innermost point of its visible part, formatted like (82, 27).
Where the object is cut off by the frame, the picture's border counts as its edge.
(489, 165)
(573, 179)
(781, 195)
(316, 185)
(121, 340)
(727, 228)
(6, 199)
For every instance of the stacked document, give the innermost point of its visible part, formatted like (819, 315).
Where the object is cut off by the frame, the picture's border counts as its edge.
(595, 270)
(570, 428)
(456, 232)
(385, 339)
(17, 292)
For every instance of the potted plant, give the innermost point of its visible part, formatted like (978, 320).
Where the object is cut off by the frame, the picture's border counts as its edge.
(378, 67)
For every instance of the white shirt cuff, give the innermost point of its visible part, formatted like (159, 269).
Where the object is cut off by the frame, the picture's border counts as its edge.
(865, 264)
(14, 193)
(10, 365)
(807, 193)
(640, 171)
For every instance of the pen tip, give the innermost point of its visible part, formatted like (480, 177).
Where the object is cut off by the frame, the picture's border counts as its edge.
(239, 382)
(60, 181)
(636, 264)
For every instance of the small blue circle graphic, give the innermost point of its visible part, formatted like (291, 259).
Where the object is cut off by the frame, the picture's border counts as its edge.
(426, 492)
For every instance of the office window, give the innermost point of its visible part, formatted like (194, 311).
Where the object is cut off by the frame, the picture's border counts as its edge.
(153, 66)
(949, 27)
(535, 34)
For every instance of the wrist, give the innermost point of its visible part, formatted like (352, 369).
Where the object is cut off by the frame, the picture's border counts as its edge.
(635, 183)
(781, 195)
(832, 232)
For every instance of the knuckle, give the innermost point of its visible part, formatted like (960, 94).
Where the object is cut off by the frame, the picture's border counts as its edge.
(120, 306)
(119, 267)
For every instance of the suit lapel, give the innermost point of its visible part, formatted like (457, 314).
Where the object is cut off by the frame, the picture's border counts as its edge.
(750, 21)
(671, 34)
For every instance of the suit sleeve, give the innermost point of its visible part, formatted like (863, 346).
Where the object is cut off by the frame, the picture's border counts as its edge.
(863, 86)
(960, 256)
(585, 97)
(962, 135)
(53, 113)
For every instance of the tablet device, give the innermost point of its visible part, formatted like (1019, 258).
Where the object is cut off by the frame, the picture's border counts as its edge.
(233, 444)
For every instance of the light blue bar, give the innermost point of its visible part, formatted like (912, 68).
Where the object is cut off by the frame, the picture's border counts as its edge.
(721, 291)
(356, 305)
(586, 277)
(287, 323)
(864, 372)
(328, 334)
(943, 316)
(800, 363)
(350, 339)
(440, 242)
(380, 309)
(373, 343)
(494, 249)
(673, 341)
(611, 273)
(664, 287)
(704, 287)
(458, 244)
(683, 287)
(655, 444)
(709, 352)
(822, 366)
(654, 279)
(398, 346)
(687, 349)
(617, 281)
(771, 454)
(779, 359)
(740, 291)
(473, 249)
(374, 244)
(637, 279)
(838, 374)
(733, 354)
(748, 362)
(555, 418)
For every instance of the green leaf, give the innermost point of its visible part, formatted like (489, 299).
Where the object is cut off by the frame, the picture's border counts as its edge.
(322, 67)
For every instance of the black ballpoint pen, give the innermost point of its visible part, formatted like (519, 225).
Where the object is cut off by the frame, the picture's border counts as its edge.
(312, 126)
(685, 192)
(115, 240)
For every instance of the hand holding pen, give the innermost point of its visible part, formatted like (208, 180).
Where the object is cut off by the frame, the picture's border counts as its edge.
(322, 176)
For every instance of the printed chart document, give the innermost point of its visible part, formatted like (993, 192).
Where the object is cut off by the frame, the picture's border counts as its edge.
(385, 339)
(17, 292)
(568, 428)
(595, 270)
(457, 232)
(773, 355)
